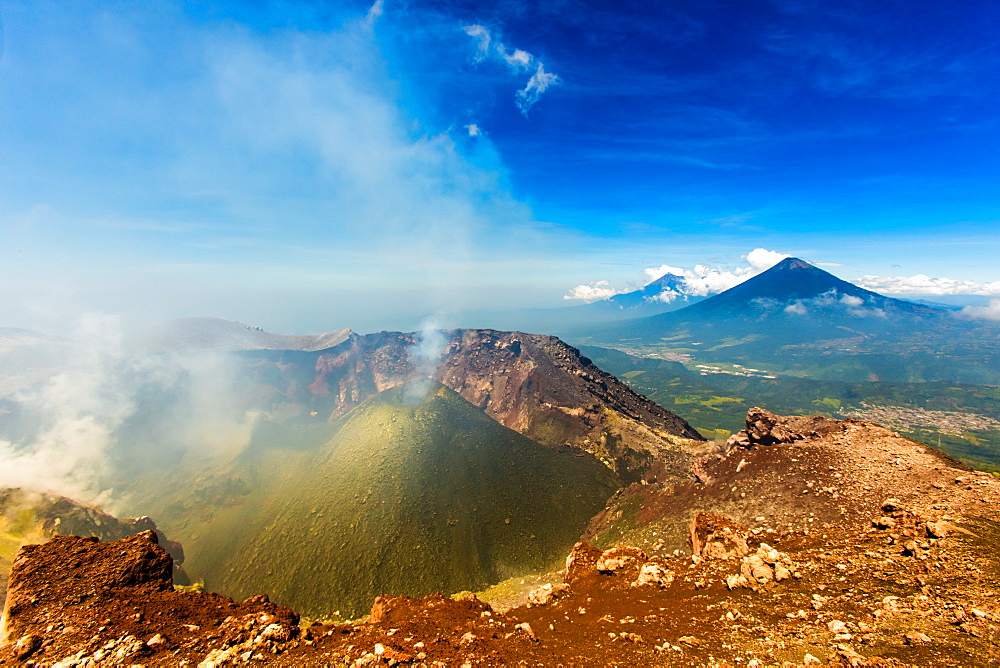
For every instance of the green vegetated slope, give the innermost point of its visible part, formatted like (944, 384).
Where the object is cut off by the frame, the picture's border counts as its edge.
(403, 499)
(963, 420)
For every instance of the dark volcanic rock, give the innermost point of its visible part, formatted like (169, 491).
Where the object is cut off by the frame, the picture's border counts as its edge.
(548, 391)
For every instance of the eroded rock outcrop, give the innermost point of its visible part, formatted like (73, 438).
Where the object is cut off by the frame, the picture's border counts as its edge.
(766, 565)
(547, 593)
(617, 558)
(717, 537)
(582, 561)
(29, 517)
(766, 428)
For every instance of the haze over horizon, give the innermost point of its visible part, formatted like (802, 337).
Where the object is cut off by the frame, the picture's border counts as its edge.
(306, 167)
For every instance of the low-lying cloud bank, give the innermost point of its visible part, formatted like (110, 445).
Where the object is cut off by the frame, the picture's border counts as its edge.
(989, 312)
(922, 284)
(592, 292)
(852, 305)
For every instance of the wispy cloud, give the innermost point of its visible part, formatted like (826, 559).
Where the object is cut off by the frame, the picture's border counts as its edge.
(517, 60)
(537, 84)
(252, 149)
(483, 40)
(738, 220)
(375, 11)
(833, 49)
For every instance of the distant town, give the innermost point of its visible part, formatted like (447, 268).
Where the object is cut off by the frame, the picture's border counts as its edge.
(732, 370)
(946, 422)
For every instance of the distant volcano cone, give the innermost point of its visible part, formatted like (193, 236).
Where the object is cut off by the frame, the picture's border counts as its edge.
(800, 318)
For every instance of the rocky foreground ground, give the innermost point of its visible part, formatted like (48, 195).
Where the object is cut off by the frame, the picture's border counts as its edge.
(874, 550)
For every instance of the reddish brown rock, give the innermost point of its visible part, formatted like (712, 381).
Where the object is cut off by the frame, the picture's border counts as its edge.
(766, 428)
(581, 561)
(717, 537)
(619, 558)
(536, 385)
(98, 600)
(389, 610)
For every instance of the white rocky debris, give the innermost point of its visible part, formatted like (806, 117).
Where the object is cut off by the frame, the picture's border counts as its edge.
(617, 558)
(764, 566)
(546, 594)
(653, 573)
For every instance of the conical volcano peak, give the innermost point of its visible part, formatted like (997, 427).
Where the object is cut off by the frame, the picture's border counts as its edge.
(788, 280)
(793, 263)
(666, 280)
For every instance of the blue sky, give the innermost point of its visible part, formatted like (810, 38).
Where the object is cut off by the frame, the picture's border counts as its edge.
(307, 166)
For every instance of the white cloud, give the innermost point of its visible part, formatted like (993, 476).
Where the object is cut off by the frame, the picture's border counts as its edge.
(832, 299)
(474, 130)
(851, 300)
(668, 296)
(539, 82)
(653, 273)
(517, 60)
(798, 308)
(922, 284)
(701, 281)
(989, 312)
(704, 280)
(761, 259)
(483, 40)
(592, 292)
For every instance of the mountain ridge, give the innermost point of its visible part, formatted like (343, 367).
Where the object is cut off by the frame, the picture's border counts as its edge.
(203, 333)
(537, 385)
